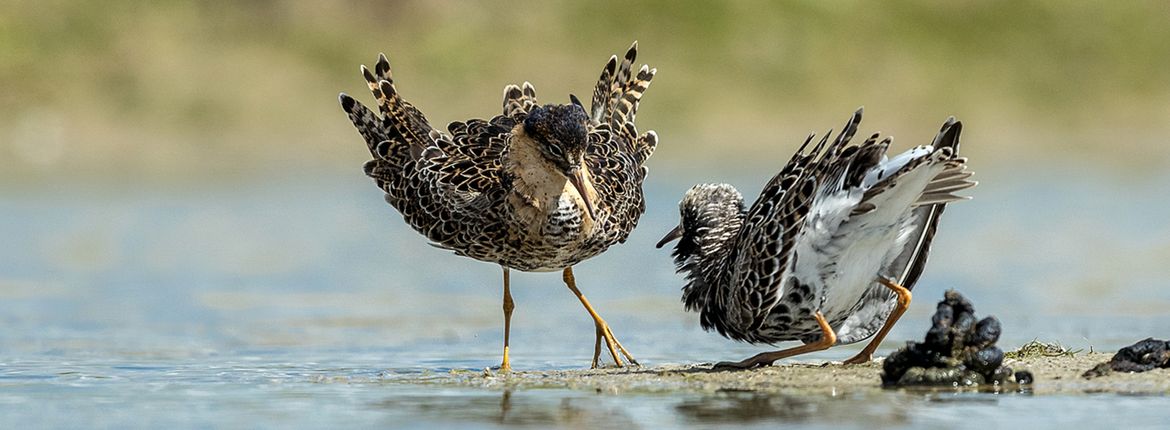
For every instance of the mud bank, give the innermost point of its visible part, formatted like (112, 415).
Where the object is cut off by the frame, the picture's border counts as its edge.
(1054, 374)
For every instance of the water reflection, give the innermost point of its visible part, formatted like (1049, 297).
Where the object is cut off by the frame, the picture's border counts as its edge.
(540, 408)
(566, 408)
(733, 406)
(742, 407)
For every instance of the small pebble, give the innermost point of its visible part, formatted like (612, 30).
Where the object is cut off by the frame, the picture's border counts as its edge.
(1024, 377)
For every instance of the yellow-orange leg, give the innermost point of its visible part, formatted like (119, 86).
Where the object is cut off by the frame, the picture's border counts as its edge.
(506, 366)
(603, 331)
(904, 297)
(828, 338)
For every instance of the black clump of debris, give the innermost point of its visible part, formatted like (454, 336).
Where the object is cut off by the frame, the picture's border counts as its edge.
(1142, 356)
(959, 350)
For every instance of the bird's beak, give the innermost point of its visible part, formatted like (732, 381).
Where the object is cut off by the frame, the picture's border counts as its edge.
(670, 237)
(577, 178)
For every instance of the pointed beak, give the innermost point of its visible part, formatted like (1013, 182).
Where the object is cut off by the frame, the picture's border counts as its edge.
(670, 237)
(577, 178)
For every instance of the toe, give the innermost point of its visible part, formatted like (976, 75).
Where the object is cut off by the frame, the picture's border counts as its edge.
(729, 365)
(860, 359)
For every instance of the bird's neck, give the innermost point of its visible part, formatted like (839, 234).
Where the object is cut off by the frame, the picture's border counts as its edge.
(708, 266)
(538, 188)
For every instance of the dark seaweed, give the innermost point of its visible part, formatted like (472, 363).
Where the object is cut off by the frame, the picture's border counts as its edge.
(1145, 355)
(959, 350)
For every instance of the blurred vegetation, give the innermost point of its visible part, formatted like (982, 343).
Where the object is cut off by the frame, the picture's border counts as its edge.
(210, 89)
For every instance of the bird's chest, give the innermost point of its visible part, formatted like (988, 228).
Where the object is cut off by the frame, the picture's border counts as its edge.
(547, 211)
(551, 218)
(548, 232)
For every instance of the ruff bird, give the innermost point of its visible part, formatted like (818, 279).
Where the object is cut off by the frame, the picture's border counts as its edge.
(538, 188)
(828, 253)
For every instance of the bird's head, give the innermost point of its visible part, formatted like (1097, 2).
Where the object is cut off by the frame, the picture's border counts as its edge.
(561, 134)
(710, 214)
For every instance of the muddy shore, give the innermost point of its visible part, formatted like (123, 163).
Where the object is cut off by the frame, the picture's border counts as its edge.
(1060, 374)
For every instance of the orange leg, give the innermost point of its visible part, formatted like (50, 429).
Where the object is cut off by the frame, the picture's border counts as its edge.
(506, 366)
(603, 331)
(597, 347)
(904, 297)
(828, 338)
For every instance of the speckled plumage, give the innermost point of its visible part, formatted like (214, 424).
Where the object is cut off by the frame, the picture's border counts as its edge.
(538, 188)
(457, 189)
(835, 220)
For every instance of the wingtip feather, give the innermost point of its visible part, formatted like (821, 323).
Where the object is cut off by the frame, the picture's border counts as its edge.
(386, 87)
(368, 74)
(383, 66)
(347, 102)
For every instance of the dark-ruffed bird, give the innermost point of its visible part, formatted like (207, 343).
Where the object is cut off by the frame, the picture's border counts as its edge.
(539, 188)
(828, 253)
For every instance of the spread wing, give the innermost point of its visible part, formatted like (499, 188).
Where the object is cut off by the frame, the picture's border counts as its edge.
(617, 153)
(765, 246)
(438, 181)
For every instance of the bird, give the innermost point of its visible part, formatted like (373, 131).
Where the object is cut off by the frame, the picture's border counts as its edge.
(537, 188)
(829, 251)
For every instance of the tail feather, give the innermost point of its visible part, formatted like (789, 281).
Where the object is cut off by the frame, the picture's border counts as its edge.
(800, 151)
(953, 174)
(948, 135)
(617, 87)
(939, 198)
(374, 80)
(909, 265)
(519, 99)
(646, 145)
(401, 122)
(954, 177)
(948, 186)
(628, 105)
(618, 93)
(870, 153)
(830, 165)
(367, 123)
(602, 90)
(848, 131)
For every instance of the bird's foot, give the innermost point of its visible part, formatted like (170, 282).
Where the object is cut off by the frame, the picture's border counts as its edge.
(828, 339)
(750, 363)
(611, 343)
(861, 358)
(505, 364)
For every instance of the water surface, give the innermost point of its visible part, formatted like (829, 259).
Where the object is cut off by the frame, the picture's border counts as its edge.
(298, 302)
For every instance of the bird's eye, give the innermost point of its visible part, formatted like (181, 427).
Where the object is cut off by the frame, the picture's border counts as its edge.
(555, 151)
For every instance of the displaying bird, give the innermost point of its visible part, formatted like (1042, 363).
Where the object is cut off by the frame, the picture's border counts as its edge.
(538, 188)
(828, 253)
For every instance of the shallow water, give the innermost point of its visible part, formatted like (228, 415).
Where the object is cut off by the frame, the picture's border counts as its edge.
(298, 302)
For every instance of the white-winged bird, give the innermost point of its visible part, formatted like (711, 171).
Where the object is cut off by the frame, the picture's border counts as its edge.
(828, 253)
(538, 188)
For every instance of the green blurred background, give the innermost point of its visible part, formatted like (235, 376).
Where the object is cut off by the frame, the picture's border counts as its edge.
(186, 236)
(218, 91)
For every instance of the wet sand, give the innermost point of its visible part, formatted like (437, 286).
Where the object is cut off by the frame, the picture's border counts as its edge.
(1054, 375)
